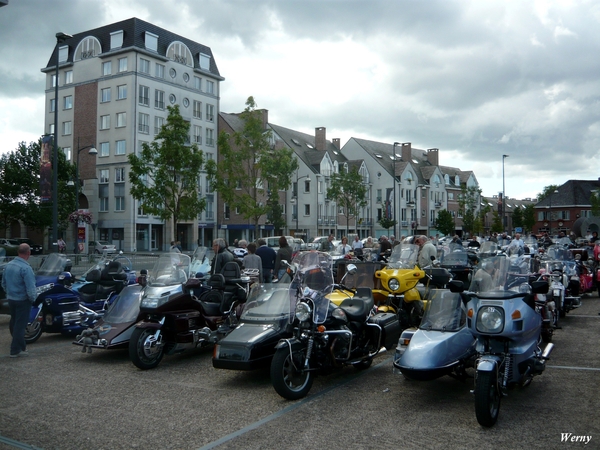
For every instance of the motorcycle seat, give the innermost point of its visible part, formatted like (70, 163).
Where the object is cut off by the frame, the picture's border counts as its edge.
(358, 307)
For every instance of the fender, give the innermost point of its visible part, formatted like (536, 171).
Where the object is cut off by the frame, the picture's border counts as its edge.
(488, 363)
(412, 295)
(284, 343)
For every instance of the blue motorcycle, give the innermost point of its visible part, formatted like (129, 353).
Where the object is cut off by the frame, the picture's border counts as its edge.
(62, 301)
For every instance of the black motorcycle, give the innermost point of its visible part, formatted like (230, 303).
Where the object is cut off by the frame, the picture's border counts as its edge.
(326, 337)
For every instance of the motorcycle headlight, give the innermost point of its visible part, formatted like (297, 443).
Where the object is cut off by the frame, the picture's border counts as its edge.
(153, 302)
(393, 284)
(556, 292)
(303, 311)
(490, 319)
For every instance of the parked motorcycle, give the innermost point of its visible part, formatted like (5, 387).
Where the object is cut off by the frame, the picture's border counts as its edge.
(442, 344)
(459, 261)
(559, 264)
(507, 328)
(58, 308)
(176, 320)
(326, 337)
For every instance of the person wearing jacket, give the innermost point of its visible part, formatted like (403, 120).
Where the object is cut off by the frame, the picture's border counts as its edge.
(18, 281)
(285, 252)
(222, 255)
(268, 256)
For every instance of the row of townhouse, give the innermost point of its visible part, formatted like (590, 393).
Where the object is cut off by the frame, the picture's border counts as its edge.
(114, 83)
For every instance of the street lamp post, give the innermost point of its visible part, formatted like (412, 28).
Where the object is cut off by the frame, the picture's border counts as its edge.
(550, 212)
(298, 199)
(60, 38)
(92, 151)
(503, 195)
(394, 181)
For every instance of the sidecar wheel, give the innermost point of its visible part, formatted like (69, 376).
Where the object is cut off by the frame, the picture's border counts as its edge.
(289, 382)
(547, 334)
(32, 332)
(144, 351)
(487, 398)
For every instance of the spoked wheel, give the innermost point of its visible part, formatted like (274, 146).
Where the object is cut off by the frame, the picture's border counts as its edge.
(547, 332)
(32, 332)
(487, 398)
(287, 376)
(145, 351)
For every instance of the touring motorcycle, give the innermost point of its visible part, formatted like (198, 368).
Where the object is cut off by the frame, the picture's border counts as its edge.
(507, 328)
(175, 320)
(326, 337)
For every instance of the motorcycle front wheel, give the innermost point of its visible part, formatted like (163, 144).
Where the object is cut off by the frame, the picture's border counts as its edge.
(287, 377)
(144, 351)
(32, 332)
(487, 398)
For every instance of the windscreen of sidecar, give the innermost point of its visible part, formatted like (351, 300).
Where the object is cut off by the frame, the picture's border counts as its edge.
(126, 306)
(558, 253)
(267, 303)
(313, 280)
(488, 247)
(200, 263)
(404, 256)
(455, 255)
(444, 312)
(53, 265)
(170, 269)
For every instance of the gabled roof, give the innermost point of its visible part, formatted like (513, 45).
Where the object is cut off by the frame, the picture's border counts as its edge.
(133, 37)
(572, 193)
(303, 145)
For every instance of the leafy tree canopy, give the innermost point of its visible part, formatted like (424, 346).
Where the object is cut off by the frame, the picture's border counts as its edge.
(348, 190)
(445, 223)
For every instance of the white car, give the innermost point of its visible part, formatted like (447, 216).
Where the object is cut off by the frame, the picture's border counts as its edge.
(102, 246)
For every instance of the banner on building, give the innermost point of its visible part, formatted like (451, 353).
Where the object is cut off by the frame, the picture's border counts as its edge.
(46, 169)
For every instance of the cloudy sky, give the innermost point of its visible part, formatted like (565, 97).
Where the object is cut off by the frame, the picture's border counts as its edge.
(476, 79)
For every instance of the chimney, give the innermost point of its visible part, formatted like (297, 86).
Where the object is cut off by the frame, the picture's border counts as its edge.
(336, 143)
(265, 118)
(320, 142)
(406, 152)
(433, 156)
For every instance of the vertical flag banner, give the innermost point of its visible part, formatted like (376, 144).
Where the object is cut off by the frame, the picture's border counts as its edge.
(46, 169)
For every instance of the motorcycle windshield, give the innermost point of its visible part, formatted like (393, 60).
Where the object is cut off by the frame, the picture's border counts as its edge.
(267, 303)
(444, 312)
(200, 262)
(491, 279)
(558, 252)
(53, 265)
(170, 269)
(126, 306)
(455, 255)
(404, 256)
(312, 282)
(488, 247)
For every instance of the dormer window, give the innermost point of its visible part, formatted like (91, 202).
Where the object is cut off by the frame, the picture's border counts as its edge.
(151, 41)
(87, 48)
(408, 178)
(447, 179)
(204, 61)
(457, 180)
(116, 39)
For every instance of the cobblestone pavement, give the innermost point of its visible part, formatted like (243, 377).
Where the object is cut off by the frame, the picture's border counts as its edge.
(60, 398)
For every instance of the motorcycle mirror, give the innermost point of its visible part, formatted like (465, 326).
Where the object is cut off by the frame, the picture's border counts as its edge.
(456, 286)
(351, 269)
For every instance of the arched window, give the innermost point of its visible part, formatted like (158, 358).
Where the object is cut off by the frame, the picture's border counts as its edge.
(179, 52)
(89, 47)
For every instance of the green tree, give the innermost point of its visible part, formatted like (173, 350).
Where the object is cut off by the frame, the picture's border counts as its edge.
(165, 176)
(348, 190)
(497, 226)
(251, 170)
(595, 203)
(387, 223)
(529, 217)
(444, 223)
(546, 192)
(468, 201)
(517, 217)
(20, 194)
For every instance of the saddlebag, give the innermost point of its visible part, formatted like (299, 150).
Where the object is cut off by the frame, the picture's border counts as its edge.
(185, 320)
(390, 328)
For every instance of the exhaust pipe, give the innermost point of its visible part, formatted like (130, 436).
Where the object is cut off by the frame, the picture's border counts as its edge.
(547, 350)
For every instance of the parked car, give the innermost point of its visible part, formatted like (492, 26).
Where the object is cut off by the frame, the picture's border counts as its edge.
(317, 243)
(36, 249)
(11, 246)
(273, 242)
(102, 246)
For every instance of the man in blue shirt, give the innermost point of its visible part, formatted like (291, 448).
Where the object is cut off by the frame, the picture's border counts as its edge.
(18, 281)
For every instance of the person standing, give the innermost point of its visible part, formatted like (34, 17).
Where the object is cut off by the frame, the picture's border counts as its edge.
(253, 261)
(384, 247)
(18, 281)
(285, 252)
(426, 252)
(357, 243)
(343, 247)
(328, 244)
(268, 256)
(174, 248)
(62, 245)
(222, 255)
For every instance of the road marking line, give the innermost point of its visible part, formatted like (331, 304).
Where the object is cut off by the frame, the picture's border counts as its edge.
(574, 368)
(287, 409)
